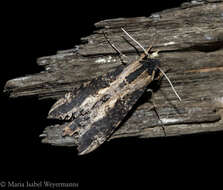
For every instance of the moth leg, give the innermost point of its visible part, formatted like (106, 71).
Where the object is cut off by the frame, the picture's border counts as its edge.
(157, 114)
(123, 58)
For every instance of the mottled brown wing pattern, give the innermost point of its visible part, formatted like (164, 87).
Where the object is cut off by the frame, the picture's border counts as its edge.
(98, 108)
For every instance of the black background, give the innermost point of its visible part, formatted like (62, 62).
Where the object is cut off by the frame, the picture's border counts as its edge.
(33, 30)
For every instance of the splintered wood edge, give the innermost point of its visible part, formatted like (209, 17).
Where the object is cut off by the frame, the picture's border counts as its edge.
(208, 40)
(52, 83)
(210, 121)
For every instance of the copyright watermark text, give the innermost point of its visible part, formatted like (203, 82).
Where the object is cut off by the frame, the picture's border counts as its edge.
(37, 184)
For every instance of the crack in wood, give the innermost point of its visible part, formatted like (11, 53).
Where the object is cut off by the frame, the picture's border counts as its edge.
(190, 41)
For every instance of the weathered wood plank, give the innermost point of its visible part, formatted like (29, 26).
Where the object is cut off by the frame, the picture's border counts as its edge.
(190, 40)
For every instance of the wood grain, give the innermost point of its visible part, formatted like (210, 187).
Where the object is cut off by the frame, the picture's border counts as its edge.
(190, 43)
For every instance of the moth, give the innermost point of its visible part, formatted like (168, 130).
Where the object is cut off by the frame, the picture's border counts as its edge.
(98, 108)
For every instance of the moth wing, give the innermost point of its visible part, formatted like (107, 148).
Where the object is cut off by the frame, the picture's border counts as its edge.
(72, 104)
(99, 131)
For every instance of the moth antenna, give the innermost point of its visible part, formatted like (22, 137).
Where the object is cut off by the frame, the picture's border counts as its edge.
(135, 41)
(158, 67)
(122, 56)
(112, 45)
(170, 83)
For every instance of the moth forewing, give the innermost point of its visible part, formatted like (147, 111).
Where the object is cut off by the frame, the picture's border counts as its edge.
(71, 105)
(99, 107)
